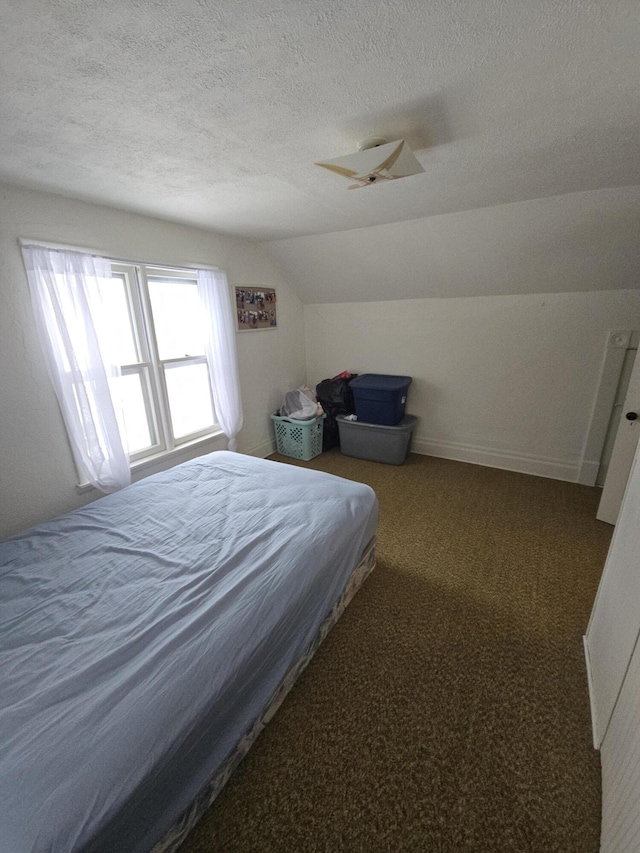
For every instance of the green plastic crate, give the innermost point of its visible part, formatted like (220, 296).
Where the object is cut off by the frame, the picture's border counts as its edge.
(298, 439)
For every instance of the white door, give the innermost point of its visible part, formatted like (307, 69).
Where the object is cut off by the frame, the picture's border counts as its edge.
(620, 756)
(623, 451)
(615, 620)
(613, 662)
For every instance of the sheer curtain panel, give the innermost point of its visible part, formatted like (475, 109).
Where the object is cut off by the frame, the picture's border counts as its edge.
(65, 291)
(220, 345)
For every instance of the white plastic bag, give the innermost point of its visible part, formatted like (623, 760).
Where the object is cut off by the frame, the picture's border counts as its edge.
(301, 404)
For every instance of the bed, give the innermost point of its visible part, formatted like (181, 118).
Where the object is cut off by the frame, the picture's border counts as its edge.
(147, 638)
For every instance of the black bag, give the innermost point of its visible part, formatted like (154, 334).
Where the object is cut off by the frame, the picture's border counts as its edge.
(336, 398)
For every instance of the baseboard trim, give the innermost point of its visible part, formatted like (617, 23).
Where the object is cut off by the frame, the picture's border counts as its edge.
(541, 466)
(266, 448)
(555, 469)
(587, 660)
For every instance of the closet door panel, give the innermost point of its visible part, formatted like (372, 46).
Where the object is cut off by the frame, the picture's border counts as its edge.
(620, 756)
(615, 620)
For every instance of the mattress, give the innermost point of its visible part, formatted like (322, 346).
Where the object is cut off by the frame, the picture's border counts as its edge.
(144, 635)
(172, 840)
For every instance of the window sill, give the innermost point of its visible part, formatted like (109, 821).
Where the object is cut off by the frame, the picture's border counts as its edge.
(149, 462)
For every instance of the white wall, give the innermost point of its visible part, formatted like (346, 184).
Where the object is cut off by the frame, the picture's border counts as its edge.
(37, 475)
(508, 381)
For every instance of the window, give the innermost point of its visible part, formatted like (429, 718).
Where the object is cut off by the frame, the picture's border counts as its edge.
(135, 352)
(157, 337)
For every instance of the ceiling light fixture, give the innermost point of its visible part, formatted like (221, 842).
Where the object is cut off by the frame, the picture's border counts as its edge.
(376, 160)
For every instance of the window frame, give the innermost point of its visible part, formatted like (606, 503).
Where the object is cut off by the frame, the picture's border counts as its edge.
(150, 367)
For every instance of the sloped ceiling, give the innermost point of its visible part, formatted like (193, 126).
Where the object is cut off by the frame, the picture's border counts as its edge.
(213, 113)
(567, 243)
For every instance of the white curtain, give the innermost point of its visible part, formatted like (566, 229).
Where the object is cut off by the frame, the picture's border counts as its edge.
(220, 346)
(65, 291)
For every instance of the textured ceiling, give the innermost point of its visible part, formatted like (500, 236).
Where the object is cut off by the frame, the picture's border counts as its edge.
(213, 113)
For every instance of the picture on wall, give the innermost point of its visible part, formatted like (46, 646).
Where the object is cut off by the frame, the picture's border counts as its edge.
(256, 308)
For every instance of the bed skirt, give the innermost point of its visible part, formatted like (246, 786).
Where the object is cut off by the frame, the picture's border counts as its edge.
(172, 840)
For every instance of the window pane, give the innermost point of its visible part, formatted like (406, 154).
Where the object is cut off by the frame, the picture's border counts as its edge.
(177, 317)
(136, 421)
(116, 317)
(189, 398)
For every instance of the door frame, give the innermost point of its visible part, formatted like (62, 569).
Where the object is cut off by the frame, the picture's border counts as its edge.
(618, 342)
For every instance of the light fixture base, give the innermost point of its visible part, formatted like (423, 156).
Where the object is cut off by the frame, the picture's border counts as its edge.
(371, 142)
(380, 161)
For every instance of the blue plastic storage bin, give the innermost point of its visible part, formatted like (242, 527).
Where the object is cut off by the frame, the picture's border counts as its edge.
(380, 398)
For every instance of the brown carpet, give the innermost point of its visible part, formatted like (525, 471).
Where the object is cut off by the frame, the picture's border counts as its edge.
(448, 709)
